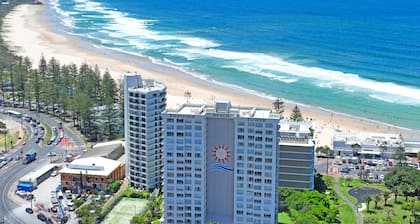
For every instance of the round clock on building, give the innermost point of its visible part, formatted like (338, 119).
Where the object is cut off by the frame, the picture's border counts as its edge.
(221, 153)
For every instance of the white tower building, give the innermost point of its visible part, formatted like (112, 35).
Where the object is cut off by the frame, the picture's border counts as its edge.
(144, 101)
(221, 164)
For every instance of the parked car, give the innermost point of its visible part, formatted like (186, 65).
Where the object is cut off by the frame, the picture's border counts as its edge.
(54, 173)
(29, 210)
(41, 217)
(345, 169)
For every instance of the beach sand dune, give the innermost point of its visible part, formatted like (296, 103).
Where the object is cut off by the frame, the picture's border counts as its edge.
(27, 32)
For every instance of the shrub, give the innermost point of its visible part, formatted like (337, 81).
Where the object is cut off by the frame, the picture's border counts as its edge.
(115, 186)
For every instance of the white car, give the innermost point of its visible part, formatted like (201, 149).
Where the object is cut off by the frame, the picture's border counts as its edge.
(381, 176)
(54, 173)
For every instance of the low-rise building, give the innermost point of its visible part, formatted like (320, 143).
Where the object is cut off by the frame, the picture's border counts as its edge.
(92, 173)
(366, 145)
(110, 150)
(411, 146)
(296, 155)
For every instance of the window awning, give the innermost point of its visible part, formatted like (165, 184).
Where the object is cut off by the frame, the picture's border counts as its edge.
(370, 152)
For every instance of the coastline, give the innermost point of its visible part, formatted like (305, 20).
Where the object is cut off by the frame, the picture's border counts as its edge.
(26, 31)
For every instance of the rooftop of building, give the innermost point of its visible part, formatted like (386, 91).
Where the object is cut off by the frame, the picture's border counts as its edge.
(104, 149)
(296, 133)
(225, 107)
(143, 85)
(296, 126)
(97, 166)
(377, 139)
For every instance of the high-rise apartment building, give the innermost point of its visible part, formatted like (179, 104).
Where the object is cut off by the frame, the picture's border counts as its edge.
(221, 164)
(144, 101)
(296, 155)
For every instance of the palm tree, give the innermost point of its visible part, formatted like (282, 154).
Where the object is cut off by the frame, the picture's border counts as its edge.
(386, 195)
(376, 199)
(368, 200)
(348, 181)
(187, 96)
(355, 147)
(395, 190)
(383, 148)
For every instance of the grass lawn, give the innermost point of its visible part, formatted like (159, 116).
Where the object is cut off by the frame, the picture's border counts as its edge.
(391, 211)
(48, 133)
(346, 186)
(125, 210)
(284, 218)
(11, 139)
(346, 213)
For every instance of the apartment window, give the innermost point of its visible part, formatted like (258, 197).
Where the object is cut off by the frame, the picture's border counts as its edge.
(267, 181)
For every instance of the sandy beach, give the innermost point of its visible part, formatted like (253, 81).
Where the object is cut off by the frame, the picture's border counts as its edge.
(28, 34)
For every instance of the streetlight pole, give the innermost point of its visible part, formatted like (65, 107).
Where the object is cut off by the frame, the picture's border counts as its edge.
(5, 142)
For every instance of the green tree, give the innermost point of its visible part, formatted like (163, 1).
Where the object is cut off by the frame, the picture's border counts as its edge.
(348, 181)
(368, 199)
(109, 95)
(356, 147)
(278, 105)
(404, 180)
(400, 156)
(311, 203)
(376, 199)
(296, 114)
(386, 195)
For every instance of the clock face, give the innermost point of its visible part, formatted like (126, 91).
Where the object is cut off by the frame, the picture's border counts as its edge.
(221, 153)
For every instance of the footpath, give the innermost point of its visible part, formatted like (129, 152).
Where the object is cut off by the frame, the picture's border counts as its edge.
(355, 209)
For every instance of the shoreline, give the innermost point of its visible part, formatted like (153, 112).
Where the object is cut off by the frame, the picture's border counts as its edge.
(28, 33)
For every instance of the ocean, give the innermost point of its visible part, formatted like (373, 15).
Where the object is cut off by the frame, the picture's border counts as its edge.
(360, 57)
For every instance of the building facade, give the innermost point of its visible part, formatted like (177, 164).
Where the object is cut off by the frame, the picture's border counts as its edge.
(366, 145)
(144, 101)
(297, 158)
(92, 173)
(220, 164)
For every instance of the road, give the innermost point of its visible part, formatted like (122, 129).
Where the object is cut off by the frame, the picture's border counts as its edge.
(10, 212)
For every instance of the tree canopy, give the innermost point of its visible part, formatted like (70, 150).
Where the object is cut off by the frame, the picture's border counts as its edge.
(405, 180)
(296, 114)
(311, 206)
(64, 91)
